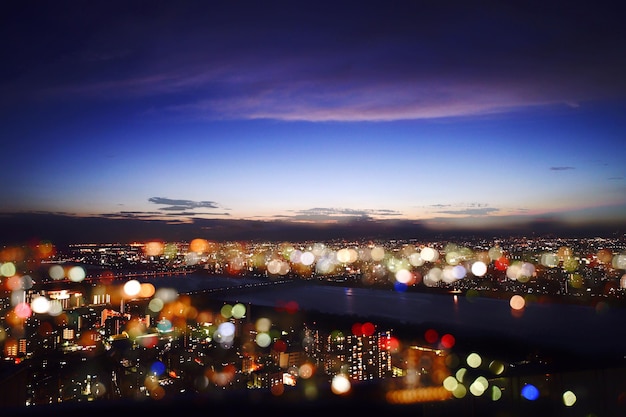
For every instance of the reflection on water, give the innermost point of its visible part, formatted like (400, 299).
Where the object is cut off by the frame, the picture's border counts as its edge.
(552, 324)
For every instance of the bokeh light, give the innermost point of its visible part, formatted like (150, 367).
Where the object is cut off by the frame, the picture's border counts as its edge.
(146, 290)
(8, 269)
(164, 325)
(239, 311)
(132, 288)
(474, 360)
(431, 336)
(76, 274)
(479, 268)
(199, 245)
(306, 370)
(40, 305)
(154, 248)
(22, 310)
(450, 383)
(550, 260)
(56, 272)
(604, 256)
(502, 263)
(447, 341)
(375, 265)
(263, 324)
(517, 302)
(479, 386)
(341, 384)
(307, 258)
(530, 392)
(569, 398)
(496, 393)
(496, 367)
(404, 276)
(225, 332)
(263, 339)
(460, 391)
(429, 254)
(157, 368)
(495, 252)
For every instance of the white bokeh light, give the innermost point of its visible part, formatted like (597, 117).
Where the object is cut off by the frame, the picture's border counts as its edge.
(307, 258)
(76, 274)
(429, 254)
(40, 304)
(479, 268)
(340, 384)
(132, 288)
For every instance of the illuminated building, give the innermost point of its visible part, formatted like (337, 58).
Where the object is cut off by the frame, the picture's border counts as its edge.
(115, 324)
(291, 356)
(10, 349)
(68, 334)
(365, 358)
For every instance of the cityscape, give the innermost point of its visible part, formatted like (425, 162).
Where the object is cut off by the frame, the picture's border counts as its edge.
(237, 208)
(107, 322)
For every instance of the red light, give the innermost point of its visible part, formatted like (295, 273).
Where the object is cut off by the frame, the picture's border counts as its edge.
(292, 307)
(501, 263)
(447, 341)
(431, 336)
(368, 328)
(280, 346)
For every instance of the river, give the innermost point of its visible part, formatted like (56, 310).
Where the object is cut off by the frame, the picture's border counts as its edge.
(587, 330)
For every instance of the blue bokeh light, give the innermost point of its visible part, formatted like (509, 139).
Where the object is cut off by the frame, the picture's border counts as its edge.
(530, 392)
(157, 368)
(400, 287)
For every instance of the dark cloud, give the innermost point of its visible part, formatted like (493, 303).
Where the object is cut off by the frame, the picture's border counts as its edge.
(196, 214)
(132, 213)
(64, 229)
(175, 208)
(319, 60)
(148, 215)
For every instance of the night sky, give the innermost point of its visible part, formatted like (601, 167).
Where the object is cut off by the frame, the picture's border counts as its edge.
(127, 120)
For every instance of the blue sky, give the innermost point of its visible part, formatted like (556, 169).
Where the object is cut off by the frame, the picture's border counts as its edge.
(439, 115)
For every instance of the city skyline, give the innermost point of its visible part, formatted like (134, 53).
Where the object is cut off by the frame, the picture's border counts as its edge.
(132, 120)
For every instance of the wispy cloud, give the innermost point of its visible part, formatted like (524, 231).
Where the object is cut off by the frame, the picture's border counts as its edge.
(134, 213)
(463, 209)
(339, 214)
(403, 67)
(561, 168)
(373, 101)
(347, 211)
(180, 205)
(480, 211)
(194, 214)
